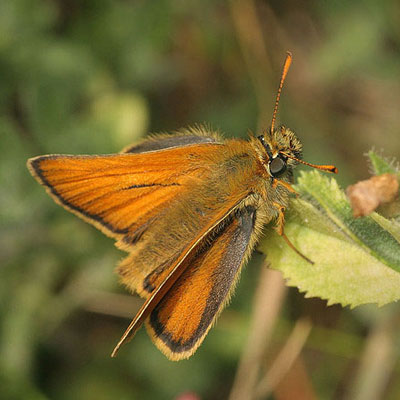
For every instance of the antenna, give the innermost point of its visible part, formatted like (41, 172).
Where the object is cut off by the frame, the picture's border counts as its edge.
(326, 168)
(285, 70)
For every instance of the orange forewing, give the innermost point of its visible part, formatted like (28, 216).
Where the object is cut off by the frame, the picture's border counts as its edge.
(120, 193)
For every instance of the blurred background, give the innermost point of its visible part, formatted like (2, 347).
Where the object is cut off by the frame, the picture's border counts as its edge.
(92, 76)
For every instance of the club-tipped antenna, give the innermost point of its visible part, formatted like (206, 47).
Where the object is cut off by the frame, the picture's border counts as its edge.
(326, 168)
(285, 70)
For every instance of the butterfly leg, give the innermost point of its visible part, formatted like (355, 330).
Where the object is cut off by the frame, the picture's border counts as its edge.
(280, 223)
(286, 185)
(280, 229)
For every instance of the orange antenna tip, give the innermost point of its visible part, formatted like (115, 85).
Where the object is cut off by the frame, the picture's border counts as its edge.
(286, 65)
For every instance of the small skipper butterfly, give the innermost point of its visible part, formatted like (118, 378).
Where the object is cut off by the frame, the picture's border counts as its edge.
(189, 209)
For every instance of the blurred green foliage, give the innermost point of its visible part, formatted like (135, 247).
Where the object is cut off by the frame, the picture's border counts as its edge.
(93, 76)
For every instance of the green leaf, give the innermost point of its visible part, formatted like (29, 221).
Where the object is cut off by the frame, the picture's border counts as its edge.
(380, 165)
(357, 261)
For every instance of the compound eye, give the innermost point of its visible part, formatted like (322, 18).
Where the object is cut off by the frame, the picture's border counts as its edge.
(277, 166)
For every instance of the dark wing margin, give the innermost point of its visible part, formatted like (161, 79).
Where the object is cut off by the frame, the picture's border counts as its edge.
(181, 320)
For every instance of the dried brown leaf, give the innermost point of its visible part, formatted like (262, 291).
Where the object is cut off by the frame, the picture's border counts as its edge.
(366, 196)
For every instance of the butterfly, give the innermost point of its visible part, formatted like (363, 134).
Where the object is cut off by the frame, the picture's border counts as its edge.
(189, 209)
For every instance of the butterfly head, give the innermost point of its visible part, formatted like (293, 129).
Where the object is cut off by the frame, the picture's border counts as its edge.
(282, 150)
